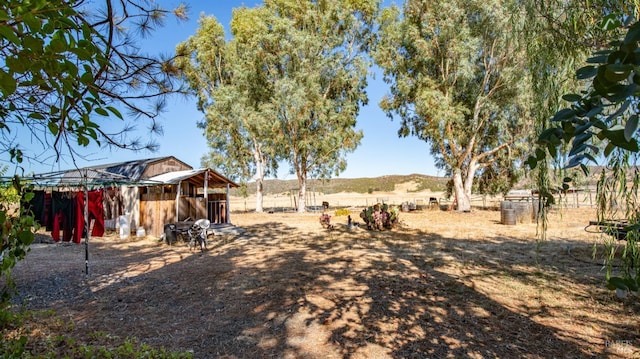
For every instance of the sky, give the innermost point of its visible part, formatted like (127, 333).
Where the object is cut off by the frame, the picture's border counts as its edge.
(381, 151)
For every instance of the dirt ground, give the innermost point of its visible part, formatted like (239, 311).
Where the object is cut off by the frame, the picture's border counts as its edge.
(440, 285)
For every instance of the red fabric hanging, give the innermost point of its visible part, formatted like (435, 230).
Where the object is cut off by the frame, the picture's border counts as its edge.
(96, 211)
(55, 231)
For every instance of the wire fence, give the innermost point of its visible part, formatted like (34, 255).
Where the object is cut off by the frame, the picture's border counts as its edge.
(413, 201)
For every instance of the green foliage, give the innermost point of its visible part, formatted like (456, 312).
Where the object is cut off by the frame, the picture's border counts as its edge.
(64, 70)
(17, 233)
(561, 34)
(129, 349)
(602, 122)
(66, 346)
(231, 92)
(288, 87)
(459, 82)
(13, 349)
(603, 118)
(14, 342)
(8, 193)
(498, 178)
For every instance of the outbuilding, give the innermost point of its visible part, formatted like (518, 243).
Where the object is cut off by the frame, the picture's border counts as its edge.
(147, 193)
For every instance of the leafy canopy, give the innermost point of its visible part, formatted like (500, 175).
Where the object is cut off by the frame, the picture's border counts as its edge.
(458, 82)
(602, 124)
(67, 66)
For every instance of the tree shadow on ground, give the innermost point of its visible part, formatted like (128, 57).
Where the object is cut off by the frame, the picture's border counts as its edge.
(276, 292)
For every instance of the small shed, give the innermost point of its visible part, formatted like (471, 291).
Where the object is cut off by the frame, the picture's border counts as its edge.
(149, 192)
(182, 196)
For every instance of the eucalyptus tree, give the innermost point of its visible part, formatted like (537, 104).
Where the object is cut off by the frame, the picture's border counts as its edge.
(227, 78)
(287, 87)
(314, 58)
(459, 82)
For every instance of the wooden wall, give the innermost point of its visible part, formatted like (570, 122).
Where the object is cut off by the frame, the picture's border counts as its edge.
(164, 166)
(158, 209)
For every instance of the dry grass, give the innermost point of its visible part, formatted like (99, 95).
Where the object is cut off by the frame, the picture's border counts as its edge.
(441, 285)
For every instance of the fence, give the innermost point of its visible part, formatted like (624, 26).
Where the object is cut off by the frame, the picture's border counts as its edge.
(418, 201)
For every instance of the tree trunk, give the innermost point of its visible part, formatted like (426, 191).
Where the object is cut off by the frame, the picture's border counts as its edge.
(462, 198)
(468, 182)
(259, 194)
(302, 194)
(259, 181)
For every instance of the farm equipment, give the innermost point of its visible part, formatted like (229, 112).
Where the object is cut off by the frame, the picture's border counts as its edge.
(618, 229)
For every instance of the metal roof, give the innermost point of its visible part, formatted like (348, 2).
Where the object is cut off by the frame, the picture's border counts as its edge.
(129, 172)
(79, 177)
(194, 176)
(132, 170)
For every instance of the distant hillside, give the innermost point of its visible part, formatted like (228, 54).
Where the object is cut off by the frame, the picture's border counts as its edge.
(355, 185)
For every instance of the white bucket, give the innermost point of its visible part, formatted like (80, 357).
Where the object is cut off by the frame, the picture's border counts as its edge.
(140, 232)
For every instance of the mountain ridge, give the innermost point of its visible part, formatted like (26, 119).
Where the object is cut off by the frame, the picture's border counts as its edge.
(418, 182)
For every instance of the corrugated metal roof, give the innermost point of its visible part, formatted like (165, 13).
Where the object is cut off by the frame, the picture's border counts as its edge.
(197, 175)
(78, 177)
(133, 170)
(174, 177)
(128, 172)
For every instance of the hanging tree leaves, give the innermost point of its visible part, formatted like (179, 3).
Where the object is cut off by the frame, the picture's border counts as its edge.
(231, 88)
(68, 67)
(288, 87)
(602, 123)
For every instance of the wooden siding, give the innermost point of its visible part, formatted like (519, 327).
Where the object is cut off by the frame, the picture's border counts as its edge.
(158, 209)
(169, 164)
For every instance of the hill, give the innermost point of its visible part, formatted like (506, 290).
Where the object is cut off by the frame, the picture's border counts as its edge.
(413, 182)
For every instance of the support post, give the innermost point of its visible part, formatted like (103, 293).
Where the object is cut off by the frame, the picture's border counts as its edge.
(178, 202)
(226, 208)
(206, 194)
(86, 224)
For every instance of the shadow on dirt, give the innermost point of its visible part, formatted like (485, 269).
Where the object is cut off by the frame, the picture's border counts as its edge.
(276, 292)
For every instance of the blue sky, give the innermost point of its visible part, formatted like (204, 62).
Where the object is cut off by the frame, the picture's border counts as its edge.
(381, 152)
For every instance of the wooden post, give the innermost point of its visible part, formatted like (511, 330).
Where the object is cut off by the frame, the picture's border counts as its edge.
(227, 218)
(178, 201)
(206, 196)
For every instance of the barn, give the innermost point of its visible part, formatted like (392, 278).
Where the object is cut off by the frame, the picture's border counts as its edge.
(147, 193)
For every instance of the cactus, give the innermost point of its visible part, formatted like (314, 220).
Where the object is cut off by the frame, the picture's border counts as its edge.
(380, 216)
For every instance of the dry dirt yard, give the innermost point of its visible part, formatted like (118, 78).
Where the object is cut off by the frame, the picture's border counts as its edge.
(440, 285)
